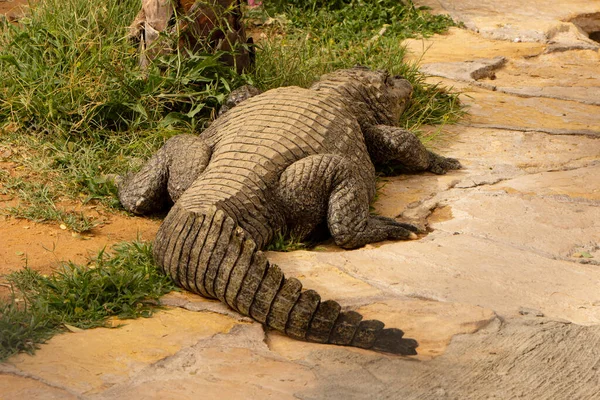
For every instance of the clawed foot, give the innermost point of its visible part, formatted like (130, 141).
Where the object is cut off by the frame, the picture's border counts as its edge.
(440, 165)
(395, 230)
(378, 229)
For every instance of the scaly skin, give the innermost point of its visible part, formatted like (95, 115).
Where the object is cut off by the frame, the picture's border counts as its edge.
(282, 162)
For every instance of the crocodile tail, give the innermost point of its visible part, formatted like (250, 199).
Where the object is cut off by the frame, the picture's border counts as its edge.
(207, 253)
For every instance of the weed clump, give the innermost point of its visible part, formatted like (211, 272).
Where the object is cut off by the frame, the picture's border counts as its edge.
(125, 284)
(37, 204)
(285, 243)
(348, 19)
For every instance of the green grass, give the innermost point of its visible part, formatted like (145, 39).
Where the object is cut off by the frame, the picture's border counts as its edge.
(343, 21)
(81, 168)
(23, 328)
(69, 69)
(286, 243)
(125, 283)
(75, 102)
(38, 203)
(309, 39)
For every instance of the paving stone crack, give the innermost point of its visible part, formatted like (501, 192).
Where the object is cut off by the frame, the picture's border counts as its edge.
(384, 288)
(203, 305)
(388, 291)
(580, 132)
(490, 182)
(10, 370)
(527, 249)
(494, 180)
(513, 91)
(573, 167)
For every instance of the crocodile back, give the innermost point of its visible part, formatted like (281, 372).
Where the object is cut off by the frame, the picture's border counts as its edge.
(256, 141)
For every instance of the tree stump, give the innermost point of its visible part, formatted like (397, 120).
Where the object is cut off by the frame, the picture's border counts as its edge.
(162, 26)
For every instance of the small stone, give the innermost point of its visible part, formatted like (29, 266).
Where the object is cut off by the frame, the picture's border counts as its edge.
(530, 311)
(5, 153)
(62, 226)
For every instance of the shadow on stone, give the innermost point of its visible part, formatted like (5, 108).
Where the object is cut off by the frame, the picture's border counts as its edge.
(589, 23)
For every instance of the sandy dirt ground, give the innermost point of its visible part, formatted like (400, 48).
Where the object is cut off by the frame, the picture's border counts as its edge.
(13, 8)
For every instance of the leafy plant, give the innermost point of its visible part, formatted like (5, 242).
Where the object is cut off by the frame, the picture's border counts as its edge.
(344, 19)
(282, 5)
(23, 328)
(125, 284)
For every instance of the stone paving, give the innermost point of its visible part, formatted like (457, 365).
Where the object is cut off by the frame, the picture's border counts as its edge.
(503, 295)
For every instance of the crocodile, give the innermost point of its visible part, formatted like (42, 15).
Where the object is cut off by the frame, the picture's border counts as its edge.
(288, 161)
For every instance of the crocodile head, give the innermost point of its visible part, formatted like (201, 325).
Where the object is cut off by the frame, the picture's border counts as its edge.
(377, 95)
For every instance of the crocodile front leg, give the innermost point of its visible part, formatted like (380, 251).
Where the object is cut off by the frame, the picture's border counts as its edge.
(390, 144)
(165, 176)
(327, 187)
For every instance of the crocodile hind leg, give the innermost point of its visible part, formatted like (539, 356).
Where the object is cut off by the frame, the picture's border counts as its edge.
(165, 176)
(390, 144)
(326, 187)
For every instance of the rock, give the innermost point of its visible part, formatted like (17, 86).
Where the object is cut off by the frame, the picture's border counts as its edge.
(97, 359)
(530, 69)
(533, 21)
(472, 70)
(22, 387)
(496, 110)
(523, 358)
(450, 47)
(229, 366)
